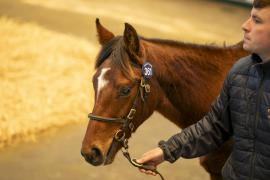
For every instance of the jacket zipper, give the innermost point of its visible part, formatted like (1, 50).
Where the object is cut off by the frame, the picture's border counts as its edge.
(255, 124)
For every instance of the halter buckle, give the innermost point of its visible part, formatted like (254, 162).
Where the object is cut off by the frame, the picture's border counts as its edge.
(118, 136)
(131, 113)
(125, 144)
(131, 126)
(142, 83)
(147, 88)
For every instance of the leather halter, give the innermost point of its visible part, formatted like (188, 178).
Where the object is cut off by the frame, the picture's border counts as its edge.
(127, 127)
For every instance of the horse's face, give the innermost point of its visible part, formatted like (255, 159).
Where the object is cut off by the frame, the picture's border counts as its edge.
(113, 94)
(114, 97)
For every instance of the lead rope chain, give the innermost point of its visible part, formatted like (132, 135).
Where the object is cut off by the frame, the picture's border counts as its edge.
(136, 164)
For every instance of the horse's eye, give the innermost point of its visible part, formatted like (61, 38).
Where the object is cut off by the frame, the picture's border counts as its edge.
(124, 91)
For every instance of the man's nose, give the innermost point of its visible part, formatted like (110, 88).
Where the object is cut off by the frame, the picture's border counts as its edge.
(246, 25)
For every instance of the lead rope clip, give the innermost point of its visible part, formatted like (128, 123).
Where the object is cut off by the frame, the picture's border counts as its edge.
(139, 165)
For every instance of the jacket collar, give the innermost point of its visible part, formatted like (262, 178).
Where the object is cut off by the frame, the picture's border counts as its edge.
(257, 60)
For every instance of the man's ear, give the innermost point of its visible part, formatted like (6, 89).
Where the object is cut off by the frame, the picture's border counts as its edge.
(132, 43)
(104, 35)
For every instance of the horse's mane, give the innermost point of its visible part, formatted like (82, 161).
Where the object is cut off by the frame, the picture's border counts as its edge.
(212, 47)
(115, 49)
(179, 44)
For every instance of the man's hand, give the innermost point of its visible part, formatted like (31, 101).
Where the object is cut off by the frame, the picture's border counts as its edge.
(153, 157)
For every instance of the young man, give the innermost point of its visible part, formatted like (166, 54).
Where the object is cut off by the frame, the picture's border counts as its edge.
(241, 111)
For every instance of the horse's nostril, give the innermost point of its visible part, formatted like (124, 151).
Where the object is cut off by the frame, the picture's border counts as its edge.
(96, 154)
(94, 157)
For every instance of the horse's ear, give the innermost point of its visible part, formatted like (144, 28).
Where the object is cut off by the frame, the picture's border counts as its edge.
(132, 43)
(104, 35)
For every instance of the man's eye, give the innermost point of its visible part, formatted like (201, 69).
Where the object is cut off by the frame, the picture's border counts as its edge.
(256, 21)
(124, 91)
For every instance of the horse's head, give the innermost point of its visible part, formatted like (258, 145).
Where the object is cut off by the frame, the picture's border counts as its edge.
(122, 100)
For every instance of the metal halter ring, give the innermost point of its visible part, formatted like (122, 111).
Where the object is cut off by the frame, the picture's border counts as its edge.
(145, 86)
(118, 135)
(131, 113)
(142, 83)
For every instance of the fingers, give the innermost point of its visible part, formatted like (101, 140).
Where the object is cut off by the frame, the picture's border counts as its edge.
(154, 155)
(146, 157)
(141, 160)
(148, 172)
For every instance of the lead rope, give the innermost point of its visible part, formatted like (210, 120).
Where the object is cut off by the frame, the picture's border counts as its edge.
(136, 164)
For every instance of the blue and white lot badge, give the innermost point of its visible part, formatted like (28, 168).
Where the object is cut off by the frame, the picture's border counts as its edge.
(147, 70)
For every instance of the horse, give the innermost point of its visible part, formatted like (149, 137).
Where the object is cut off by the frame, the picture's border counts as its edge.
(185, 79)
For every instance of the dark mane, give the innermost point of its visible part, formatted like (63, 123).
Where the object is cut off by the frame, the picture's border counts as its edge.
(181, 44)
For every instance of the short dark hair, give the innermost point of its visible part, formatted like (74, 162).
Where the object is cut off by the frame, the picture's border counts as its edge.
(261, 3)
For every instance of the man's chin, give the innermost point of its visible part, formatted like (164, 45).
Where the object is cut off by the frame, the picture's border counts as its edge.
(247, 47)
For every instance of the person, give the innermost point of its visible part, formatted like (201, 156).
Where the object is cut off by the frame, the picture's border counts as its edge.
(241, 111)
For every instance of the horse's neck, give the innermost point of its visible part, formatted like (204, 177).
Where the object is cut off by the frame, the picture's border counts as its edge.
(189, 78)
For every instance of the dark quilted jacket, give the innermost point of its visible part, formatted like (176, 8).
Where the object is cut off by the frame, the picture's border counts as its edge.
(241, 111)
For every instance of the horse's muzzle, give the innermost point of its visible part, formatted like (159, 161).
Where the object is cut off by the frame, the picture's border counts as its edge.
(94, 157)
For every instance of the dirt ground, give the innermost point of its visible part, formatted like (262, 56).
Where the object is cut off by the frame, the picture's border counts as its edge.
(56, 154)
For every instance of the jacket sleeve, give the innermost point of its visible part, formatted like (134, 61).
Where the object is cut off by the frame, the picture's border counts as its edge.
(204, 136)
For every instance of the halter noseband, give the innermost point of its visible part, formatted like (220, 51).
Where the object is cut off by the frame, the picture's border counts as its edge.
(127, 126)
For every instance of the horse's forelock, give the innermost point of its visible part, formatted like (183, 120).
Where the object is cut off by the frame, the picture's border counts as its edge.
(106, 51)
(115, 49)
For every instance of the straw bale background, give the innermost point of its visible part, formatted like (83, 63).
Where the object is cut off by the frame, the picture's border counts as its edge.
(44, 80)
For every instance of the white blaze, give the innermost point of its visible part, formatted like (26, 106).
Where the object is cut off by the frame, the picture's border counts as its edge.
(102, 82)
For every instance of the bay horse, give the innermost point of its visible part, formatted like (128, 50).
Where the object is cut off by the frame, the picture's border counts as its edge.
(186, 79)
